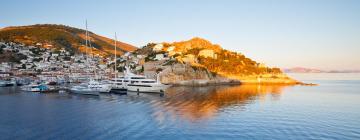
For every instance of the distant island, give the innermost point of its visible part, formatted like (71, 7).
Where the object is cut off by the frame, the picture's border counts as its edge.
(311, 70)
(194, 62)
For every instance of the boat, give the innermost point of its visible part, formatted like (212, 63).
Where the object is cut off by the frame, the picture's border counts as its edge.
(138, 83)
(92, 87)
(8, 82)
(118, 86)
(3, 83)
(38, 88)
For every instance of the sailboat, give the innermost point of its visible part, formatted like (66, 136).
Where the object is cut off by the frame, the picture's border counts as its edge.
(117, 83)
(92, 87)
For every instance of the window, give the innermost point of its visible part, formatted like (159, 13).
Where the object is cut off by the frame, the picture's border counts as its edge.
(148, 81)
(137, 77)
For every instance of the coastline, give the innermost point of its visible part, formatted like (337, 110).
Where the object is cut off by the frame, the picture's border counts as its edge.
(243, 81)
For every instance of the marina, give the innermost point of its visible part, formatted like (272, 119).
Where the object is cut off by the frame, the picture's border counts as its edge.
(213, 112)
(180, 70)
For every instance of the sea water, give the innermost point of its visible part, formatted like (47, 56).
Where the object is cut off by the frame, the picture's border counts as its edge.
(330, 110)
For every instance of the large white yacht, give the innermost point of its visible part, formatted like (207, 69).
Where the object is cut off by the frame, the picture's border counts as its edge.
(133, 82)
(138, 83)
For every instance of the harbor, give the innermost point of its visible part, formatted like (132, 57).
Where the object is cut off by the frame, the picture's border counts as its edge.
(274, 111)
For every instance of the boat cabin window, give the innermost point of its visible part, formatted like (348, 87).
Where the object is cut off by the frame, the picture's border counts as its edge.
(148, 81)
(134, 81)
(137, 77)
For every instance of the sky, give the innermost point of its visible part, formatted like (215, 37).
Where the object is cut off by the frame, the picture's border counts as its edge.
(322, 34)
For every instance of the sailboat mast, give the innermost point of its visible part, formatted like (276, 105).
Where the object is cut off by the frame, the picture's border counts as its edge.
(86, 39)
(86, 45)
(115, 56)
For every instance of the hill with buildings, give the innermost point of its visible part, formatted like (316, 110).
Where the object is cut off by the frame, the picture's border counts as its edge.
(61, 36)
(206, 62)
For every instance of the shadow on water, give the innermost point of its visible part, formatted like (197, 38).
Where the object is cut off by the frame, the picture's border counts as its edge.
(199, 103)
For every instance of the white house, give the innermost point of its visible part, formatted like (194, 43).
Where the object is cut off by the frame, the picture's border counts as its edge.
(189, 58)
(54, 55)
(159, 56)
(158, 47)
(171, 48)
(207, 53)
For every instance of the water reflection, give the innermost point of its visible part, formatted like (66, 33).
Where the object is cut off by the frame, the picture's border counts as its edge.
(201, 103)
(179, 103)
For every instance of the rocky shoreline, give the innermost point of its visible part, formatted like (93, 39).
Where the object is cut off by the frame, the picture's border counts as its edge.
(187, 76)
(201, 82)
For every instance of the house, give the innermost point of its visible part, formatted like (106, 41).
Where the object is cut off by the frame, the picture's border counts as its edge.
(39, 44)
(54, 55)
(5, 67)
(158, 47)
(140, 56)
(29, 65)
(189, 58)
(261, 65)
(171, 48)
(159, 56)
(5, 74)
(207, 53)
(23, 61)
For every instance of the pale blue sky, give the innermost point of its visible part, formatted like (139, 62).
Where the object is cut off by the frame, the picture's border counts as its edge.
(321, 34)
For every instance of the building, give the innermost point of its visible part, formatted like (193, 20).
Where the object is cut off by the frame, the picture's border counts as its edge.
(159, 56)
(158, 47)
(207, 53)
(189, 58)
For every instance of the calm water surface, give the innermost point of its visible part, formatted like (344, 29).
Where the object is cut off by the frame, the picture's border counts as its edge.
(328, 111)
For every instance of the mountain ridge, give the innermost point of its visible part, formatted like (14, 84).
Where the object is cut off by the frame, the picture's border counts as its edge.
(62, 36)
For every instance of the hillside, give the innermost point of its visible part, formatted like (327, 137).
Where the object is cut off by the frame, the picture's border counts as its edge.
(201, 54)
(61, 36)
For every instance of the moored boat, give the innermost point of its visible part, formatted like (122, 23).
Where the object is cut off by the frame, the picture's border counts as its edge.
(38, 88)
(138, 83)
(8, 82)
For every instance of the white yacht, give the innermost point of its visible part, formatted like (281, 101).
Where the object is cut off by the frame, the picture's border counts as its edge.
(142, 84)
(133, 82)
(91, 88)
(138, 83)
(118, 85)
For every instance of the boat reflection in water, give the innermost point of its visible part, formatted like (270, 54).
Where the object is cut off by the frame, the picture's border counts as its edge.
(201, 103)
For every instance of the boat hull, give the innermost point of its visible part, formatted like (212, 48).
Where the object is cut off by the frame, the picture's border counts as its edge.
(83, 92)
(119, 90)
(152, 89)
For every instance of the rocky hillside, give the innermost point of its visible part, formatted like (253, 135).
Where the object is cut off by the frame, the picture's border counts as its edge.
(60, 36)
(211, 61)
